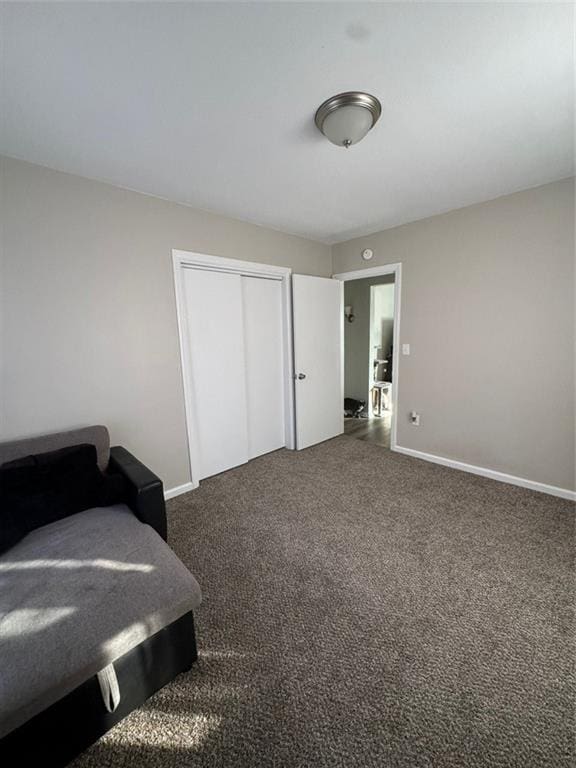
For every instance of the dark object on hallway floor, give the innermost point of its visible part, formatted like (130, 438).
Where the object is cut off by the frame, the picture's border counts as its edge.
(365, 609)
(85, 590)
(353, 408)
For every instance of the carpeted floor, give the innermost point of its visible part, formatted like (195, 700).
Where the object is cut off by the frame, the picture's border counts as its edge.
(363, 608)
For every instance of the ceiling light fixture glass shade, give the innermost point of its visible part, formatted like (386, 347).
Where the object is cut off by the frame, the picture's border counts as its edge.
(346, 118)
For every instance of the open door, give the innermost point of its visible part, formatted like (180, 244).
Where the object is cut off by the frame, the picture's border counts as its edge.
(318, 333)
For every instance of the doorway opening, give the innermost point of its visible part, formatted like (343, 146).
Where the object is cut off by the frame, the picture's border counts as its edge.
(371, 318)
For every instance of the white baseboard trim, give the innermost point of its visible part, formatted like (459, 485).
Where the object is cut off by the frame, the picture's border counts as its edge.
(179, 490)
(502, 477)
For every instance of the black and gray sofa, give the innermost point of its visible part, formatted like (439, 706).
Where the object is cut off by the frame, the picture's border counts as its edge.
(96, 612)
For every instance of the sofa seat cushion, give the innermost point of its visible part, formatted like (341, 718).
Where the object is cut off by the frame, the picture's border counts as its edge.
(76, 595)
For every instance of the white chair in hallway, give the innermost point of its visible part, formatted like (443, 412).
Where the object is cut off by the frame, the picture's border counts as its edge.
(380, 390)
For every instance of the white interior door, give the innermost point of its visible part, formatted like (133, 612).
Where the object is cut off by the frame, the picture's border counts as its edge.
(318, 336)
(214, 322)
(263, 345)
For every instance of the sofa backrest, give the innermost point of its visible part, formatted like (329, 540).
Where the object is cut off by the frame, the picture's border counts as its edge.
(96, 435)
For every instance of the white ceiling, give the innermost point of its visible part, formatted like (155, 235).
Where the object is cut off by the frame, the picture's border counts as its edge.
(213, 104)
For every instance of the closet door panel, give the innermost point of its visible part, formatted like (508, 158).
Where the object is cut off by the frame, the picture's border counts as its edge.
(214, 311)
(263, 344)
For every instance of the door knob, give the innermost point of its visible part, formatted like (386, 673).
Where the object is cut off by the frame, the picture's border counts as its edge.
(300, 376)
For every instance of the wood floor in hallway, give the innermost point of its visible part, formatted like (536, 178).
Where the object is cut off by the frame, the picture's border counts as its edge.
(374, 430)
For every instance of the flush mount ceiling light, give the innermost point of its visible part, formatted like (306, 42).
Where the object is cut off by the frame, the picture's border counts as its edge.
(346, 118)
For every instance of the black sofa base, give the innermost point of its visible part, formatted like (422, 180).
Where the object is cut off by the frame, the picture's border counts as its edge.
(64, 730)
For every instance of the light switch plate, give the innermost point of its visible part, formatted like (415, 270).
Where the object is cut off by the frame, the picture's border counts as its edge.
(405, 349)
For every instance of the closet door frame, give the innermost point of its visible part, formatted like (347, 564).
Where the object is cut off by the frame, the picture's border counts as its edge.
(182, 260)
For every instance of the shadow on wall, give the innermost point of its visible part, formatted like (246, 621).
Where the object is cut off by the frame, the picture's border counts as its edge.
(384, 334)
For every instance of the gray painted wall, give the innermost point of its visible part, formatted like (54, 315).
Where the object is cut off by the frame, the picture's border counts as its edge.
(357, 335)
(89, 330)
(488, 309)
(88, 319)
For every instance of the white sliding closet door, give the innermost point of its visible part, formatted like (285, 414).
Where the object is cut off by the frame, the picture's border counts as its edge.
(263, 346)
(214, 320)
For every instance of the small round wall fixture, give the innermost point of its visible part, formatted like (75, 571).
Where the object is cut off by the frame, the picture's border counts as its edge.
(346, 118)
(367, 254)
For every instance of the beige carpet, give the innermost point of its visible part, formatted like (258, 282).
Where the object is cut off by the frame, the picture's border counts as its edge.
(362, 608)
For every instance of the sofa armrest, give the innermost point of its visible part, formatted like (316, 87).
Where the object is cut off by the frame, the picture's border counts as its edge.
(145, 492)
